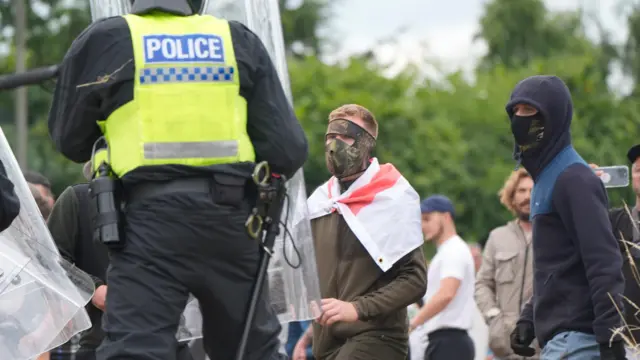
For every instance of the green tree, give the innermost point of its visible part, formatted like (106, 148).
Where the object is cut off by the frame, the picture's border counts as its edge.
(631, 47)
(301, 25)
(518, 32)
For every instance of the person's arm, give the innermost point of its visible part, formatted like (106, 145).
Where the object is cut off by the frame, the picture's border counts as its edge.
(9, 201)
(273, 128)
(527, 311)
(305, 339)
(447, 290)
(581, 201)
(451, 276)
(96, 60)
(485, 289)
(308, 334)
(63, 226)
(407, 287)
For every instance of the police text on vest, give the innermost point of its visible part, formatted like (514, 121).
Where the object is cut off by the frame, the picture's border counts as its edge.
(190, 48)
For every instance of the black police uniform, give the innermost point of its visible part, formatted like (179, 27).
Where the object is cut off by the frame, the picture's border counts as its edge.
(187, 237)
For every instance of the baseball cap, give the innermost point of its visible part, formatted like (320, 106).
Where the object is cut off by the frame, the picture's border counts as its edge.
(437, 203)
(633, 153)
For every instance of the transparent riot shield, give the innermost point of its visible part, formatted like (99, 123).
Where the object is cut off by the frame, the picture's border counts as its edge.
(101, 9)
(293, 276)
(191, 320)
(42, 296)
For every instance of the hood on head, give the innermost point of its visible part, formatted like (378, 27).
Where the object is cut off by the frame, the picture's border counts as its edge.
(551, 97)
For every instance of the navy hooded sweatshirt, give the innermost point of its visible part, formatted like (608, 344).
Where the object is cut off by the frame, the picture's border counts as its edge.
(577, 262)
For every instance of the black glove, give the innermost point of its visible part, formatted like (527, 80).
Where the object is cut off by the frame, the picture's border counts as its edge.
(521, 338)
(613, 352)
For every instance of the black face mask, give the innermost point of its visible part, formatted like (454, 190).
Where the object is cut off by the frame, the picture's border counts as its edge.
(528, 131)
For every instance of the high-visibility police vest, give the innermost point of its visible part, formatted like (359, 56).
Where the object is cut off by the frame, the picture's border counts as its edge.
(186, 106)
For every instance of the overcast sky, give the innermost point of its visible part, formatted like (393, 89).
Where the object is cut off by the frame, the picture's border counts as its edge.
(446, 27)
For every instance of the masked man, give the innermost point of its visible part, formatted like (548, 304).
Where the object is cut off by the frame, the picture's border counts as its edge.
(187, 105)
(577, 281)
(367, 230)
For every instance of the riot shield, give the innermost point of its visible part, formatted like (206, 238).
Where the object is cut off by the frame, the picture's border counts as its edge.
(101, 9)
(42, 296)
(293, 277)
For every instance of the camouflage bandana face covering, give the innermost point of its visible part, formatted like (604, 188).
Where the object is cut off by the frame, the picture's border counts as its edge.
(342, 158)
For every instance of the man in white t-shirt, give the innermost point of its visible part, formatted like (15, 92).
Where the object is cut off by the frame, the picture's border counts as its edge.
(449, 306)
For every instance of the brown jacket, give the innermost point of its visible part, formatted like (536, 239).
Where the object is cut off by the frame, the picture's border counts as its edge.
(505, 282)
(348, 273)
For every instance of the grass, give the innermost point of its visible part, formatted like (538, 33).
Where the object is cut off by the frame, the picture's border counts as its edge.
(628, 303)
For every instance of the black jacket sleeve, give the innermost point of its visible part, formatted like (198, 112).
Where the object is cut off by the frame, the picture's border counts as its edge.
(622, 228)
(10, 204)
(9, 201)
(581, 201)
(275, 132)
(94, 65)
(527, 311)
(64, 228)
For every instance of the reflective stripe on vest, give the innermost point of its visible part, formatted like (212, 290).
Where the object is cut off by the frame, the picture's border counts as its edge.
(176, 150)
(186, 107)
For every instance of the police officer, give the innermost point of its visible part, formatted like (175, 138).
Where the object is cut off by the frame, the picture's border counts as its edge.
(187, 104)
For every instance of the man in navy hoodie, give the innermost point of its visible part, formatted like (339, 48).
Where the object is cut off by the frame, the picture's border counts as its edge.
(577, 262)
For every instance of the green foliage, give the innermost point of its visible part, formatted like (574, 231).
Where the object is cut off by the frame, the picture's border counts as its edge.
(453, 137)
(449, 136)
(300, 25)
(517, 32)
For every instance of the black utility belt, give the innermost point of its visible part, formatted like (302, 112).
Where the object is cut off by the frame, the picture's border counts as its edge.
(225, 189)
(447, 332)
(154, 189)
(109, 198)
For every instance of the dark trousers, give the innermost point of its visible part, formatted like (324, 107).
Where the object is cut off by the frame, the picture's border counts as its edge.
(448, 344)
(184, 353)
(370, 346)
(177, 244)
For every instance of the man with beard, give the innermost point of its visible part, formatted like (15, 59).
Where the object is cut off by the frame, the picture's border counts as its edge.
(366, 229)
(449, 308)
(504, 282)
(577, 281)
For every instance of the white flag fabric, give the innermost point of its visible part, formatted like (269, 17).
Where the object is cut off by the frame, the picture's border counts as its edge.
(381, 208)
